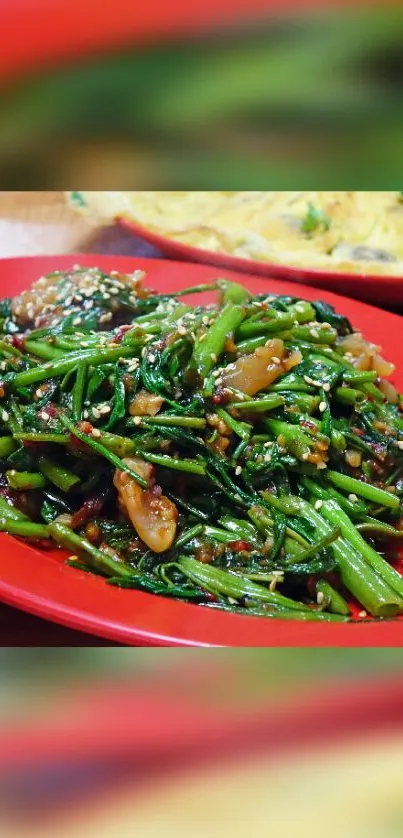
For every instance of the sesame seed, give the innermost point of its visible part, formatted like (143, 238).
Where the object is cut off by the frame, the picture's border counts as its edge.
(213, 357)
(362, 614)
(45, 416)
(104, 317)
(106, 296)
(86, 414)
(273, 585)
(96, 433)
(352, 497)
(238, 470)
(151, 358)
(84, 343)
(318, 504)
(78, 297)
(308, 379)
(39, 393)
(104, 409)
(5, 416)
(400, 444)
(305, 455)
(268, 444)
(320, 598)
(95, 412)
(182, 330)
(322, 407)
(219, 381)
(267, 458)
(114, 290)
(137, 420)
(3, 365)
(73, 559)
(321, 465)
(76, 321)
(314, 333)
(326, 387)
(275, 359)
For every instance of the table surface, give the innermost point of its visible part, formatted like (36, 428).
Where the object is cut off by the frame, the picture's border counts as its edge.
(36, 223)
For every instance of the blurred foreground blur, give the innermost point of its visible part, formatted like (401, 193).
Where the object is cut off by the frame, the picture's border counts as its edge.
(309, 98)
(137, 742)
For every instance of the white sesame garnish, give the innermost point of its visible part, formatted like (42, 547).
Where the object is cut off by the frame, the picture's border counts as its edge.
(318, 504)
(104, 409)
(326, 386)
(219, 381)
(275, 359)
(307, 379)
(96, 433)
(84, 343)
(322, 407)
(320, 597)
(39, 393)
(45, 416)
(105, 317)
(86, 414)
(213, 357)
(181, 330)
(114, 290)
(151, 358)
(268, 444)
(305, 455)
(362, 614)
(5, 416)
(267, 458)
(238, 470)
(137, 420)
(321, 465)
(314, 333)
(3, 365)
(400, 444)
(76, 321)
(95, 412)
(352, 497)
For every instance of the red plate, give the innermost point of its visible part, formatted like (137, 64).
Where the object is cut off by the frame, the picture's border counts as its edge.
(41, 583)
(382, 290)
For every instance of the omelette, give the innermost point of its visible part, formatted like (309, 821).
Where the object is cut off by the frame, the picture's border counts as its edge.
(359, 232)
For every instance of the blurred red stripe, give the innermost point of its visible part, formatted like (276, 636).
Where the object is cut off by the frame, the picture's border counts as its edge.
(128, 722)
(36, 33)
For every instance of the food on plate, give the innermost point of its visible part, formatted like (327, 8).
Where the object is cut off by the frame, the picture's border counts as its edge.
(244, 453)
(359, 232)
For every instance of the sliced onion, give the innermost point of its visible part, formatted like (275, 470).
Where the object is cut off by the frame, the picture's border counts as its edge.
(389, 391)
(153, 515)
(145, 404)
(251, 373)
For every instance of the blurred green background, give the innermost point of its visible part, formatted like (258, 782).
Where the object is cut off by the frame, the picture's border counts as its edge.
(308, 99)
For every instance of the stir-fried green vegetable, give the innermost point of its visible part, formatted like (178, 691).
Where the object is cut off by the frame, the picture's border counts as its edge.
(245, 454)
